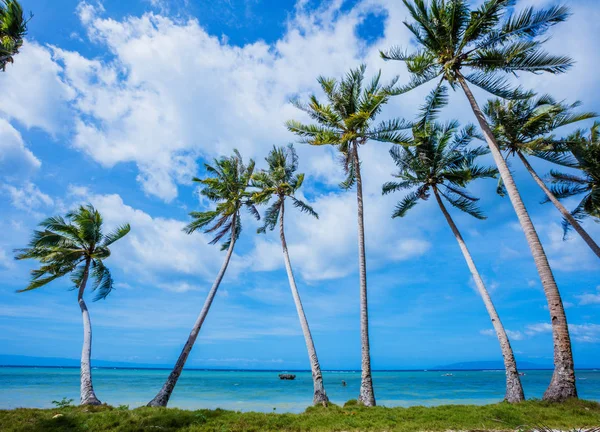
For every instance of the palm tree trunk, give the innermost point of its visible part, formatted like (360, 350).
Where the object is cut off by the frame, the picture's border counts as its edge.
(163, 396)
(562, 385)
(566, 213)
(514, 389)
(87, 395)
(367, 395)
(319, 397)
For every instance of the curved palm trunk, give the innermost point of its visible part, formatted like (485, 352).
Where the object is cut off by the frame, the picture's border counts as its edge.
(367, 395)
(566, 213)
(562, 385)
(87, 395)
(514, 389)
(319, 397)
(163, 396)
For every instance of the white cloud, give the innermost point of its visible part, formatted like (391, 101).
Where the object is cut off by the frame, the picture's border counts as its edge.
(28, 197)
(409, 248)
(172, 91)
(6, 261)
(515, 335)
(157, 246)
(512, 334)
(16, 160)
(532, 329)
(590, 298)
(327, 248)
(586, 333)
(570, 254)
(178, 286)
(32, 91)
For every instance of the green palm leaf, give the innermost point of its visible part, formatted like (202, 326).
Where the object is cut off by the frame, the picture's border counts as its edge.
(66, 246)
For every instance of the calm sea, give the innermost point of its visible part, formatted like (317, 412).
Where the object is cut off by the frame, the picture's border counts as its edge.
(264, 391)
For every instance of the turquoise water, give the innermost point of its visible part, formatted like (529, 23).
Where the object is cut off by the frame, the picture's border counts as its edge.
(264, 391)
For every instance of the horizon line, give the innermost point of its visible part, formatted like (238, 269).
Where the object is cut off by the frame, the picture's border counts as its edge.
(290, 370)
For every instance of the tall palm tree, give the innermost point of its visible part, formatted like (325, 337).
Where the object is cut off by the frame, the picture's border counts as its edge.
(462, 46)
(280, 181)
(586, 152)
(346, 122)
(525, 128)
(77, 246)
(13, 28)
(442, 163)
(226, 185)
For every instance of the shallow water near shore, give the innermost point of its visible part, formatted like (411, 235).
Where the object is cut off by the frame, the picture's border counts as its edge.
(264, 391)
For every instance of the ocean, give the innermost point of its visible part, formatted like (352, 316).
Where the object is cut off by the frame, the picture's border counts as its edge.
(264, 391)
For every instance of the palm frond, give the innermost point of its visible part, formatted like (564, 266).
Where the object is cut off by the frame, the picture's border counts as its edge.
(434, 102)
(303, 207)
(103, 281)
(271, 216)
(463, 204)
(201, 220)
(390, 131)
(408, 202)
(389, 187)
(116, 235)
(350, 177)
(528, 23)
(497, 85)
(485, 19)
(417, 80)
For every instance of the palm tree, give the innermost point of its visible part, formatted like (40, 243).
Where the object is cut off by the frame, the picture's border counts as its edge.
(441, 163)
(524, 128)
(75, 245)
(462, 46)
(13, 28)
(586, 152)
(346, 122)
(226, 185)
(281, 181)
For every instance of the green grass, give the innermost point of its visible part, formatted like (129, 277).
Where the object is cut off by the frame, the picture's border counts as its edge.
(574, 414)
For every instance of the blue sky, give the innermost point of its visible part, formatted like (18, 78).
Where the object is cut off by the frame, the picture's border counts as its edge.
(120, 103)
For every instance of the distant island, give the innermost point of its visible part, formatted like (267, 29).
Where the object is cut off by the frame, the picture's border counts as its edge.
(489, 365)
(31, 361)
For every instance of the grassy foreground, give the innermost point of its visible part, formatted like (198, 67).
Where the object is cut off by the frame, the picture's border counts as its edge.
(576, 414)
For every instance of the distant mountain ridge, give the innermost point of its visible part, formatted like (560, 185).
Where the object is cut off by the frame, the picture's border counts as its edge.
(31, 361)
(490, 365)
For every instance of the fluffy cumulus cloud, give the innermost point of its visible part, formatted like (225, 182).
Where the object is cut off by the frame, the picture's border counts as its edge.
(327, 248)
(156, 247)
(568, 253)
(170, 92)
(16, 160)
(41, 102)
(585, 333)
(27, 197)
(513, 335)
(590, 298)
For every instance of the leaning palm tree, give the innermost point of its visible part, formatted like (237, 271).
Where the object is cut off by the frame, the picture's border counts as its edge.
(280, 181)
(586, 154)
(13, 28)
(442, 163)
(346, 122)
(525, 128)
(227, 183)
(75, 245)
(464, 46)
